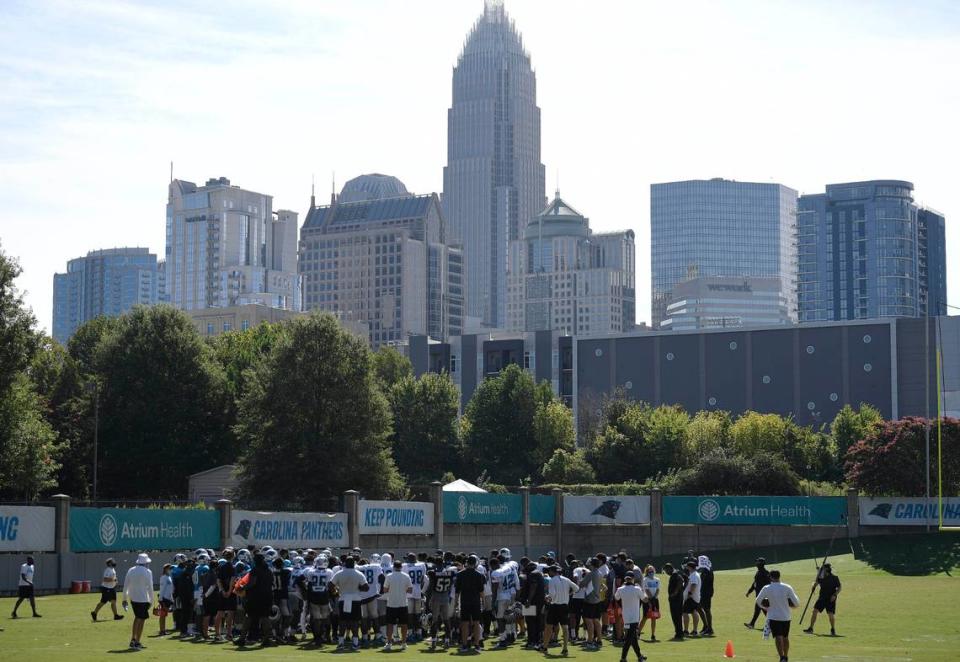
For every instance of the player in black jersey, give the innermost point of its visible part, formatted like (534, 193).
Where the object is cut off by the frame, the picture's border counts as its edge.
(281, 598)
(440, 595)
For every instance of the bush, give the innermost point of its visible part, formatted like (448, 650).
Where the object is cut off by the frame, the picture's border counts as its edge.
(719, 473)
(564, 467)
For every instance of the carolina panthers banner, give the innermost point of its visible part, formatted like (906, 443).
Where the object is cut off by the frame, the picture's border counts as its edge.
(117, 529)
(606, 510)
(288, 530)
(27, 528)
(754, 510)
(892, 511)
(396, 517)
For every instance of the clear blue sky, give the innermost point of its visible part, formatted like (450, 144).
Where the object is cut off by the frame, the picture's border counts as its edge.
(96, 99)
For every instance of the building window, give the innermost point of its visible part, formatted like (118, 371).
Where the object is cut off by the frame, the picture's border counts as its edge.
(227, 327)
(244, 325)
(209, 328)
(526, 360)
(453, 363)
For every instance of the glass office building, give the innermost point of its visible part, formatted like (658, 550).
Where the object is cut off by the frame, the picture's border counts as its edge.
(104, 283)
(867, 251)
(718, 227)
(493, 183)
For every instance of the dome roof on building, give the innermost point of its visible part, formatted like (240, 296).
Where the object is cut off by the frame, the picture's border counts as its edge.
(558, 219)
(373, 186)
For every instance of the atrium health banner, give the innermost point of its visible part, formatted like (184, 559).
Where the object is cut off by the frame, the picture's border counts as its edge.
(606, 509)
(289, 530)
(396, 517)
(891, 511)
(27, 528)
(482, 508)
(116, 529)
(769, 511)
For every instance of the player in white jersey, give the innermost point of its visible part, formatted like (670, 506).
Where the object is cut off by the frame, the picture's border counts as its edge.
(372, 573)
(506, 581)
(576, 601)
(386, 567)
(418, 574)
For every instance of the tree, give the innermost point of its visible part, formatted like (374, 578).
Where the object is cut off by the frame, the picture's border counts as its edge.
(640, 442)
(18, 341)
(568, 468)
(498, 426)
(850, 426)
(553, 430)
(724, 473)
(425, 439)
(707, 432)
(391, 367)
(753, 432)
(313, 421)
(239, 351)
(28, 446)
(891, 459)
(164, 405)
(85, 341)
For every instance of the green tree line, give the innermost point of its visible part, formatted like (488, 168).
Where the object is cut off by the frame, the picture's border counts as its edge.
(306, 411)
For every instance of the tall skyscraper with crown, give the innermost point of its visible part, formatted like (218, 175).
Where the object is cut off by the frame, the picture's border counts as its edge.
(494, 182)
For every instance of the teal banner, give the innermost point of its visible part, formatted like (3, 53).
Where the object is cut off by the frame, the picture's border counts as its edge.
(482, 508)
(754, 510)
(542, 509)
(132, 529)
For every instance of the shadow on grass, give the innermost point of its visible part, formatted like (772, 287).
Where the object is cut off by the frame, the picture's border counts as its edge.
(913, 555)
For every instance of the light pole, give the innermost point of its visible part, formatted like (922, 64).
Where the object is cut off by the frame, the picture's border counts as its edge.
(93, 387)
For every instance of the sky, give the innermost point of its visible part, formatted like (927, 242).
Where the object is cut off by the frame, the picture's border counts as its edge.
(97, 98)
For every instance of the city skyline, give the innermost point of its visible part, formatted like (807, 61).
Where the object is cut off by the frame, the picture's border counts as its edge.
(660, 105)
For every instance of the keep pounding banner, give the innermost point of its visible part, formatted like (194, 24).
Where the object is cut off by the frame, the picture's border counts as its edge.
(396, 517)
(606, 509)
(289, 530)
(27, 528)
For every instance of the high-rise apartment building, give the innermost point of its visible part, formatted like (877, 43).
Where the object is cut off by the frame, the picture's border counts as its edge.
(722, 302)
(107, 282)
(867, 251)
(226, 247)
(383, 261)
(718, 227)
(565, 278)
(493, 184)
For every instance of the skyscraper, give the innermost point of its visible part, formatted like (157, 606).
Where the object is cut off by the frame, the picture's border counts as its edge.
(226, 247)
(718, 227)
(565, 278)
(493, 184)
(867, 251)
(382, 260)
(106, 282)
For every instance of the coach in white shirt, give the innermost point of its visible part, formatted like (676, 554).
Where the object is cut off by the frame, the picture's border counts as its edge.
(25, 588)
(398, 587)
(630, 596)
(777, 599)
(559, 590)
(138, 591)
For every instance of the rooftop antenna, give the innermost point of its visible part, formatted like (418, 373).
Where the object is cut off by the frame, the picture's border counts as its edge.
(171, 172)
(313, 186)
(558, 182)
(333, 186)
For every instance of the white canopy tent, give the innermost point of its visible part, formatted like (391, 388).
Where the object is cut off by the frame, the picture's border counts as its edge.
(460, 485)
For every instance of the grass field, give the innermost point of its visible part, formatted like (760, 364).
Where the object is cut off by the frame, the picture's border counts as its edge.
(899, 603)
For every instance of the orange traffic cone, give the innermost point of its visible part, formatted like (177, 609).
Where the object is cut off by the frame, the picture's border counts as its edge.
(729, 651)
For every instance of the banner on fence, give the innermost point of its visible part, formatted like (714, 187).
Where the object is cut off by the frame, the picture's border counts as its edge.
(289, 530)
(396, 517)
(606, 509)
(482, 508)
(115, 529)
(754, 510)
(898, 511)
(27, 528)
(543, 509)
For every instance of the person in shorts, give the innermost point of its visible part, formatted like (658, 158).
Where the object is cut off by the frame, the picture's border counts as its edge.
(351, 585)
(777, 599)
(398, 587)
(226, 599)
(108, 591)
(138, 592)
(25, 588)
(165, 598)
(829, 585)
(469, 586)
(691, 599)
(557, 598)
(651, 601)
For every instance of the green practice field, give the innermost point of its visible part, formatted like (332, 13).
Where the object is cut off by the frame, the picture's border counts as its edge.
(900, 602)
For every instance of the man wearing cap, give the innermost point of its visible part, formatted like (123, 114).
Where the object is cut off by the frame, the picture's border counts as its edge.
(829, 585)
(778, 599)
(108, 591)
(559, 590)
(138, 591)
(760, 579)
(630, 596)
(691, 599)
